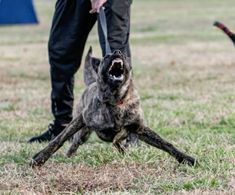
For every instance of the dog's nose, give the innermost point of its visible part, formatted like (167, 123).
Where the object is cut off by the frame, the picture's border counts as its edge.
(117, 52)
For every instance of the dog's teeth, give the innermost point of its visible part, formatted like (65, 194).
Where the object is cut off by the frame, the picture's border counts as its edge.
(118, 60)
(118, 78)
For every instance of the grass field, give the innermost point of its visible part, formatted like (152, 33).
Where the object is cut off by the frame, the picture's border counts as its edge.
(184, 69)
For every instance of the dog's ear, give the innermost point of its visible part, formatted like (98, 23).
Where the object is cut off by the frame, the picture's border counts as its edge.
(93, 61)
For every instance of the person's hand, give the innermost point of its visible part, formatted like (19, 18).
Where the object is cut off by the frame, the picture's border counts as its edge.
(96, 5)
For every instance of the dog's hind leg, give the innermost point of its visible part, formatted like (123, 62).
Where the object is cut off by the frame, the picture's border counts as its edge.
(150, 137)
(78, 139)
(41, 157)
(117, 141)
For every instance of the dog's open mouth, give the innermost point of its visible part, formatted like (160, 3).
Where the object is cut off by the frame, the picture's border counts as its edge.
(116, 70)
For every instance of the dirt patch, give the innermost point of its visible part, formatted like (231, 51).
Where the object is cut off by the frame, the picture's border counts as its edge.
(205, 192)
(67, 178)
(232, 183)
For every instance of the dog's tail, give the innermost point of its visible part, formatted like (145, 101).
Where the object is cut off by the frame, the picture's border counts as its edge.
(226, 30)
(90, 68)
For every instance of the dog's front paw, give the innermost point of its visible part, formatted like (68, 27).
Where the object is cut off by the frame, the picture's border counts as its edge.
(39, 159)
(36, 161)
(188, 160)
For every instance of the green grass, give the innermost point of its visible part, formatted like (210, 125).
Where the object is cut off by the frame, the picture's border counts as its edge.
(184, 71)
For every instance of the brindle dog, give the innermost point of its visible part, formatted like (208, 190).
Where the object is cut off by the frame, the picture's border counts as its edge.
(110, 106)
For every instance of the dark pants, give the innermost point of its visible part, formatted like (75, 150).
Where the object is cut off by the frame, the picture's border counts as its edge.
(71, 25)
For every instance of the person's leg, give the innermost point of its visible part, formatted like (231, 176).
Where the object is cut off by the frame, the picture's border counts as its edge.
(118, 26)
(71, 25)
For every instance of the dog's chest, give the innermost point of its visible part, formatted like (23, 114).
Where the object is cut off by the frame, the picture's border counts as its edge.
(101, 116)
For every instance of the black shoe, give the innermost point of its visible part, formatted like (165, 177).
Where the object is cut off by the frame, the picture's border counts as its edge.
(51, 133)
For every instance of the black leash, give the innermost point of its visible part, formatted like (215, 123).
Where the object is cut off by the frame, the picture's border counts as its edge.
(103, 24)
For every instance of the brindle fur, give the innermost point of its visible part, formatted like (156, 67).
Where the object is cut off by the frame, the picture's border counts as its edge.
(112, 110)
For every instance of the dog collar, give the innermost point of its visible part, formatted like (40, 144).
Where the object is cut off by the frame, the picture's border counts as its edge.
(120, 102)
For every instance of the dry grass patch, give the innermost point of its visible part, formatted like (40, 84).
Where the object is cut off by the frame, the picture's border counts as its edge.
(65, 178)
